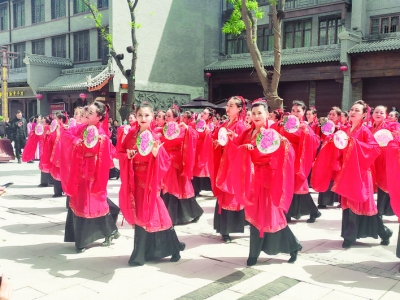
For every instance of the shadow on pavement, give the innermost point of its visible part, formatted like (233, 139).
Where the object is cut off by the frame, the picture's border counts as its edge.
(36, 229)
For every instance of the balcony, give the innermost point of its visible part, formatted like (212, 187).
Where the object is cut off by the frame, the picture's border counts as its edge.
(294, 4)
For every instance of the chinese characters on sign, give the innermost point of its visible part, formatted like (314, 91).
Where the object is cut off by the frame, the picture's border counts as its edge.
(13, 93)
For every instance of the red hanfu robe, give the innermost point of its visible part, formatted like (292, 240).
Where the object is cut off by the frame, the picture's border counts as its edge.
(181, 151)
(85, 171)
(264, 183)
(379, 166)
(354, 180)
(56, 152)
(305, 144)
(223, 159)
(392, 174)
(48, 144)
(139, 195)
(203, 166)
(31, 145)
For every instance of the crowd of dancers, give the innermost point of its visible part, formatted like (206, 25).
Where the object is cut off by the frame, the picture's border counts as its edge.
(258, 164)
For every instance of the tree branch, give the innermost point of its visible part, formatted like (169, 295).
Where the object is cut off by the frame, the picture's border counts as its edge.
(277, 48)
(251, 38)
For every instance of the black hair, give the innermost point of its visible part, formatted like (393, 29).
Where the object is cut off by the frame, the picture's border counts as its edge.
(346, 114)
(299, 103)
(48, 119)
(260, 103)
(175, 112)
(144, 105)
(363, 104)
(61, 117)
(385, 107)
(337, 110)
(18, 112)
(313, 110)
(277, 114)
(31, 119)
(238, 101)
(212, 112)
(101, 109)
(188, 114)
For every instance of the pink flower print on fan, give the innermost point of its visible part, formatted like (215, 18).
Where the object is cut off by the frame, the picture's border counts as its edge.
(291, 123)
(90, 135)
(267, 139)
(328, 128)
(200, 124)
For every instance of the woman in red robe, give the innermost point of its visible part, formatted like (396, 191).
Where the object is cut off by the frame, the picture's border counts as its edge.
(353, 180)
(203, 171)
(380, 122)
(305, 144)
(392, 171)
(328, 197)
(139, 196)
(312, 119)
(229, 214)
(177, 188)
(264, 183)
(55, 138)
(32, 144)
(84, 177)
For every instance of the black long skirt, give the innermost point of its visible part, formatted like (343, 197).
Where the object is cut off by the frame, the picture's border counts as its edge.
(201, 184)
(228, 221)
(398, 245)
(114, 209)
(383, 204)
(282, 241)
(328, 197)
(84, 231)
(182, 211)
(302, 205)
(45, 178)
(150, 245)
(357, 226)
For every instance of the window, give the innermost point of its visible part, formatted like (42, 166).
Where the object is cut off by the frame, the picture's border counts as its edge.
(58, 47)
(263, 2)
(290, 4)
(102, 47)
(297, 34)
(236, 44)
(265, 38)
(19, 13)
(81, 46)
(57, 9)
(329, 28)
(3, 17)
(18, 62)
(80, 7)
(37, 11)
(384, 25)
(38, 47)
(102, 3)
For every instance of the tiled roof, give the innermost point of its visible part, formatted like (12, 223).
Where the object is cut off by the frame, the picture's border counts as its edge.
(289, 57)
(383, 45)
(78, 79)
(47, 60)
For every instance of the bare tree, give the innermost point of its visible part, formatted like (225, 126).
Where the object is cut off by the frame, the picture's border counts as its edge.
(244, 17)
(129, 74)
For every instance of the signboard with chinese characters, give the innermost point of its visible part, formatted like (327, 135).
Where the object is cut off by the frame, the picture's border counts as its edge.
(56, 108)
(19, 92)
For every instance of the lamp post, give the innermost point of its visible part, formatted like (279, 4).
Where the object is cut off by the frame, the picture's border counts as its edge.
(4, 77)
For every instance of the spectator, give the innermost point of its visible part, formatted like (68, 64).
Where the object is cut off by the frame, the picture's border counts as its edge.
(8, 131)
(18, 125)
(3, 126)
(5, 288)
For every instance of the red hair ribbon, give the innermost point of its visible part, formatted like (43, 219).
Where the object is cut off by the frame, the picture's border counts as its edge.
(176, 107)
(259, 100)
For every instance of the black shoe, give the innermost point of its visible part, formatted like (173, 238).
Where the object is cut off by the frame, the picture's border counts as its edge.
(176, 257)
(107, 241)
(321, 206)
(134, 264)
(195, 220)
(339, 206)
(386, 241)
(314, 217)
(56, 196)
(80, 250)
(251, 261)
(346, 245)
(293, 256)
(288, 219)
(43, 185)
(19, 161)
(30, 162)
(182, 246)
(226, 238)
(116, 235)
(7, 184)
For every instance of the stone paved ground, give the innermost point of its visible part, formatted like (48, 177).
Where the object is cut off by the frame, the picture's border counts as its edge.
(41, 266)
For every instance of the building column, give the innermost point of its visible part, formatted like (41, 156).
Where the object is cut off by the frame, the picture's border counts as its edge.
(312, 94)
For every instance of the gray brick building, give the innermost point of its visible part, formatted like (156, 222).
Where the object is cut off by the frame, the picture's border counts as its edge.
(62, 56)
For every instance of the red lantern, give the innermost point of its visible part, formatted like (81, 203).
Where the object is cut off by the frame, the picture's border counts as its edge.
(208, 75)
(39, 96)
(83, 96)
(344, 68)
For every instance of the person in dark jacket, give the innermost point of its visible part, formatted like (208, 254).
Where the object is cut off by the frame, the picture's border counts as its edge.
(19, 130)
(3, 126)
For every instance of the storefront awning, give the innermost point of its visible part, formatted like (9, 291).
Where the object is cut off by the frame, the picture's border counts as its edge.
(80, 79)
(295, 56)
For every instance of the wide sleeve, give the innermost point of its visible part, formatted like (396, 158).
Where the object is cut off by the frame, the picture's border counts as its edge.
(358, 157)
(307, 150)
(189, 152)
(392, 171)
(30, 148)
